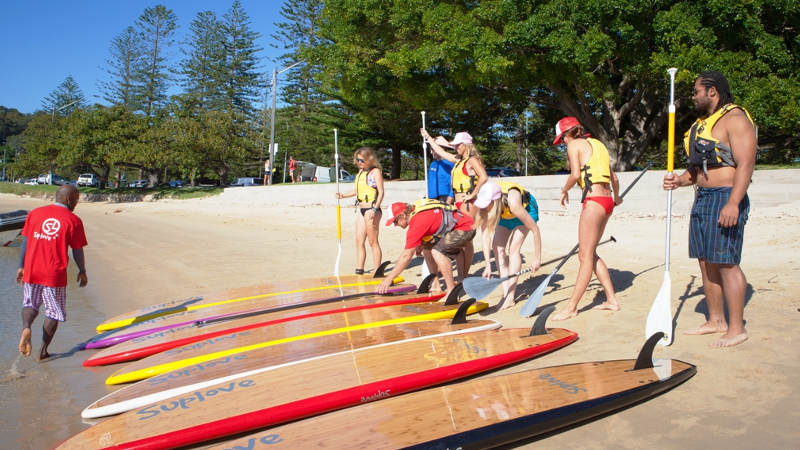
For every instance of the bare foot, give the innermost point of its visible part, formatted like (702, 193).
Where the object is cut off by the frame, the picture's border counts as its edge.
(564, 315)
(607, 306)
(728, 341)
(505, 305)
(43, 354)
(25, 342)
(707, 328)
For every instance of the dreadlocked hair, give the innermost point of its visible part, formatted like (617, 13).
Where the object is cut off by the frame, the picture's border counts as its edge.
(712, 78)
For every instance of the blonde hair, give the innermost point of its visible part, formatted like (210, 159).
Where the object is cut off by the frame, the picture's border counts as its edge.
(368, 155)
(472, 152)
(488, 218)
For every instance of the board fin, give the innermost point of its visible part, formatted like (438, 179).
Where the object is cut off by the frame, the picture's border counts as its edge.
(457, 292)
(379, 271)
(425, 284)
(538, 328)
(461, 314)
(645, 358)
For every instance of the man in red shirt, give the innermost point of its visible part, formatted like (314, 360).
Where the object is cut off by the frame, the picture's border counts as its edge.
(48, 231)
(444, 237)
(292, 167)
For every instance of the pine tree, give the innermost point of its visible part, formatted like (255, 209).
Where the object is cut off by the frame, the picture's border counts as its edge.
(126, 56)
(242, 81)
(156, 28)
(203, 66)
(64, 99)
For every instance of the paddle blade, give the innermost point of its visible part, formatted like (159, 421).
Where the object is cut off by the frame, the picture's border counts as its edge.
(479, 287)
(536, 297)
(660, 316)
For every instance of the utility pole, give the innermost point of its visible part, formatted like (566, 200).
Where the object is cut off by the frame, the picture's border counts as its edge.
(275, 73)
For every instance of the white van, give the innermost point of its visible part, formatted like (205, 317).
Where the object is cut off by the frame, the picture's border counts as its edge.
(88, 179)
(322, 175)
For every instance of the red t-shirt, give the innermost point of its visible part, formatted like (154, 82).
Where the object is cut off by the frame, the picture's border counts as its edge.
(292, 164)
(49, 231)
(427, 223)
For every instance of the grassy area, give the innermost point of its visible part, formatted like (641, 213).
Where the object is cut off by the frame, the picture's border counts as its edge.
(44, 190)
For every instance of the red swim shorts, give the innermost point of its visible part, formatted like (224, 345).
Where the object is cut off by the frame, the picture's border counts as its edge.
(606, 202)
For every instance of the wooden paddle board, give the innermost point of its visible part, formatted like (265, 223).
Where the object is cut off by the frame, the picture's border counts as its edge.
(288, 291)
(235, 343)
(479, 413)
(222, 370)
(161, 341)
(229, 310)
(315, 387)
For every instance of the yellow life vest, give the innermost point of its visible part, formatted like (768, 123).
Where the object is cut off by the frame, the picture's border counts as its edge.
(448, 220)
(505, 187)
(462, 183)
(597, 169)
(702, 148)
(364, 192)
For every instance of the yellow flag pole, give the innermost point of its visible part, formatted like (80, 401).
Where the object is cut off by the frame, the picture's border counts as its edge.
(338, 205)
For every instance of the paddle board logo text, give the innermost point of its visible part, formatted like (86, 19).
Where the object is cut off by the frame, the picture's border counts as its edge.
(50, 228)
(268, 439)
(185, 403)
(199, 345)
(376, 396)
(568, 387)
(193, 369)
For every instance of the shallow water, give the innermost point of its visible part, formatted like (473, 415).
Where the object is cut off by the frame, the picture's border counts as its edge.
(40, 402)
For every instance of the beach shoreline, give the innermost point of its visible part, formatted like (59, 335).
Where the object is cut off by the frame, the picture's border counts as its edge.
(143, 253)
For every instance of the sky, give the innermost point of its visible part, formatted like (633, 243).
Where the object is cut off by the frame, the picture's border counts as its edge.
(42, 42)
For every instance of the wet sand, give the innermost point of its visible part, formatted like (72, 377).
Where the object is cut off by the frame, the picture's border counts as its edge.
(148, 252)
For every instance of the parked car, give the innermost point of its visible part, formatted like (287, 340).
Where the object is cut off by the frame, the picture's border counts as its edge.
(88, 179)
(57, 180)
(346, 176)
(177, 183)
(138, 184)
(247, 181)
(502, 172)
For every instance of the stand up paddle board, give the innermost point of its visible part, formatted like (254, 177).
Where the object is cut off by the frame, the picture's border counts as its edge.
(188, 319)
(235, 343)
(481, 413)
(326, 384)
(295, 289)
(222, 370)
(151, 344)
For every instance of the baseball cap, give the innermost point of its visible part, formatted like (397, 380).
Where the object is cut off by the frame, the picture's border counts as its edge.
(442, 142)
(462, 137)
(396, 209)
(563, 125)
(489, 192)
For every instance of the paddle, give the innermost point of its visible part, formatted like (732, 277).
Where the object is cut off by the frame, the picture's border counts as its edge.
(338, 204)
(659, 319)
(533, 301)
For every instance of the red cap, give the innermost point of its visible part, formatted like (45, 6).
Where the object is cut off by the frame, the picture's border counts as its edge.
(564, 125)
(396, 209)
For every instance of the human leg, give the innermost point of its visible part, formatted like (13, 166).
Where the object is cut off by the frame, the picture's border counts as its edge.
(31, 301)
(590, 228)
(372, 229)
(604, 277)
(513, 254)
(444, 267)
(432, 268)
(48, 331)
(734, 287)
(712, 286)
(361, 237)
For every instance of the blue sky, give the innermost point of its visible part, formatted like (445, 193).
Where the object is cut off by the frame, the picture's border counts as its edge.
(44, 41)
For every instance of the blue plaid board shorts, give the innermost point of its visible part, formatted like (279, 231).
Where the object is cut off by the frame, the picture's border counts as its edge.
(710, 241)
(54, 300)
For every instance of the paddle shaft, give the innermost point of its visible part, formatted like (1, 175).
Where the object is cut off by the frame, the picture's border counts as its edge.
(338, 203)
(424, 156)
(670, 159)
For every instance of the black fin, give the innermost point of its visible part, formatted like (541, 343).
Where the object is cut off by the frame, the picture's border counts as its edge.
(645, 358)
(538, 328)
(425, 284)
(457, 292)
(461, 314)
(379, 271)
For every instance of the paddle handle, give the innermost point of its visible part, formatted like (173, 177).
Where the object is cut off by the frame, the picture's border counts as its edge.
(424, 156)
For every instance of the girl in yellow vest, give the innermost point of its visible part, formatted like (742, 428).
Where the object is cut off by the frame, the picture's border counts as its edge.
(368, 191)
(507, 213)
(467, 177)
(590, 167)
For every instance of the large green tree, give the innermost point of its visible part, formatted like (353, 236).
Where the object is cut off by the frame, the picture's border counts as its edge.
(65, 98)
(156, 31)
(126, 53)
(203, 66)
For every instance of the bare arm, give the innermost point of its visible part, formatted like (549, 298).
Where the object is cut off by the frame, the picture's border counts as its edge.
(77, 255)
(399, 267)
(480, 172)
(742, 139)
(486, 243)
(615, 187)
(574, 157)
(379, 186)
(444, 154)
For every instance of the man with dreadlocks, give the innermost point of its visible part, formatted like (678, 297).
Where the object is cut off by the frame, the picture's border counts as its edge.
(721, 146)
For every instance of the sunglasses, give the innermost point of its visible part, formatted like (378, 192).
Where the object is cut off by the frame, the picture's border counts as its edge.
(359, 160)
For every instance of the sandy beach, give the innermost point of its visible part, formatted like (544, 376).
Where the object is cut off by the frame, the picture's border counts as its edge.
(147, 252)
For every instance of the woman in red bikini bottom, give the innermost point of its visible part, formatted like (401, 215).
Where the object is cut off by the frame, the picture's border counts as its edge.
(590, 168)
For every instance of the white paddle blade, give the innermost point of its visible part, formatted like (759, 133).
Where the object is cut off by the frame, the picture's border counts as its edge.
(536, 297)
(660, 316)
(479, 287)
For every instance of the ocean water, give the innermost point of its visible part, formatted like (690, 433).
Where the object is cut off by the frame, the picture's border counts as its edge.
(40, 402)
